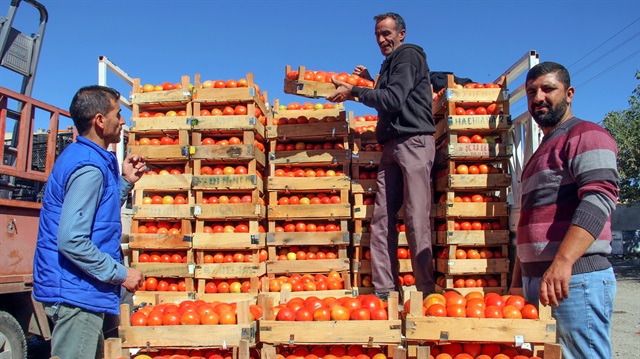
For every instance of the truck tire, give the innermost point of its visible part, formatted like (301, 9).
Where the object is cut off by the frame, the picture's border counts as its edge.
(13, 344)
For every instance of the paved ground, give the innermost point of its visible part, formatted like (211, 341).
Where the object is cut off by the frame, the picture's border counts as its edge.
(625, 331)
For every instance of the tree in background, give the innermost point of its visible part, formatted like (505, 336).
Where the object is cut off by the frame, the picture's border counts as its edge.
(624, 126)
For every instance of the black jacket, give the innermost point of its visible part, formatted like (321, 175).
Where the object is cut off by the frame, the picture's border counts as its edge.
(402, 95)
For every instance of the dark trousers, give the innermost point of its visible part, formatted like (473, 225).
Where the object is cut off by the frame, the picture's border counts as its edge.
(404, 176)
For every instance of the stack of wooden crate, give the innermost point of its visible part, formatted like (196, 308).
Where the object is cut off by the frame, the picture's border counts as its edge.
(228, 157)
(161, 230)
(308, 207)
(471, 182)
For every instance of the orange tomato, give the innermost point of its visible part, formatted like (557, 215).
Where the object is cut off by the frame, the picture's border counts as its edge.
(462, 170)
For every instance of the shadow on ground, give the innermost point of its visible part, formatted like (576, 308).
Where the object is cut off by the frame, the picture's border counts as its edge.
(626, 268)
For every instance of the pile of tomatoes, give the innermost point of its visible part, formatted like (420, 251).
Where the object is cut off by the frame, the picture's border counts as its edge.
(191, 312)
(476, 305)
(363, 307)
(323, 76)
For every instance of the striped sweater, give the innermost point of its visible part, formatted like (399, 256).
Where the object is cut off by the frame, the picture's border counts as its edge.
(571, 179)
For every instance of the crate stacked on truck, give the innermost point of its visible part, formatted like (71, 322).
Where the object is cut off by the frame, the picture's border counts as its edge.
(471, 181)
(309, 206)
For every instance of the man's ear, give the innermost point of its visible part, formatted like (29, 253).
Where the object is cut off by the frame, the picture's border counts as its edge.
(570, 93)
(99, 120)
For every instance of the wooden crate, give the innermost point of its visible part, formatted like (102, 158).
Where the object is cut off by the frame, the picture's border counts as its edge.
(472, 266)
(314, 211)
(448, 284)
(284, 295)
(335, 183)
(476, 181)
(188, 336)
(161, 100)
(165, 153)
(315, 157)
(472, 209)
(113, 350)
(472, 151)
(137, 240)
(451, 95)
(152, 297)
(323, 124)
(306, 88)
(220, 241)
(230, 211)
(230, 270)
(366, 332)
(484, 124)
(227, 96)
(419, 350)
(162, 211)
(472, 238)
(177, 182)
(150, 125)
(228, 182)
(227, 153)
(418, 327)
(230, 125)
(336, 239)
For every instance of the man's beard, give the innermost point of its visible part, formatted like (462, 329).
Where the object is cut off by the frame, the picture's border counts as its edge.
(553, 116)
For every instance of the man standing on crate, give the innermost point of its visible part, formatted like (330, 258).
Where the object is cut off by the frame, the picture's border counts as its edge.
(569, 189)
(78, 270)
(402, 96)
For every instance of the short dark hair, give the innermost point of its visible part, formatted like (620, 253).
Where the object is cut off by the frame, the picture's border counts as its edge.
(549, 67)
(397, 18)
(90, 101)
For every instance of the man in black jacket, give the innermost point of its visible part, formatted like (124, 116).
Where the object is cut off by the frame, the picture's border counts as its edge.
(403, 98)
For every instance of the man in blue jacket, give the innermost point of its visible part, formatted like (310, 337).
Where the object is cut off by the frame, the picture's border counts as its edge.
(78, 270)
(403, 98)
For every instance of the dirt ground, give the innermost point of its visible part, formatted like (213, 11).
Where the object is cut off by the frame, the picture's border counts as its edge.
(625, 330)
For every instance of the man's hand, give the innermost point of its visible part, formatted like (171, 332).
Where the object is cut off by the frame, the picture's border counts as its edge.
(134, 280)
(133, 167)
(554, 286)
(362, 72)
(343, 91)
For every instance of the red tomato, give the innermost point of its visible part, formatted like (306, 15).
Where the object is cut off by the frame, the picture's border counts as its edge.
(339, 312)
(304, 315)
(138, 319)
(379, 314)
(360, 314)
(529, 311)
(286, 314)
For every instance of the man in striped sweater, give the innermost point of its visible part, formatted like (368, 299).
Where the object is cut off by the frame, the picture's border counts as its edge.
(569, 189)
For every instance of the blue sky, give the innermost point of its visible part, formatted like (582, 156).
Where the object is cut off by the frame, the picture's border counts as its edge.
(161, 40)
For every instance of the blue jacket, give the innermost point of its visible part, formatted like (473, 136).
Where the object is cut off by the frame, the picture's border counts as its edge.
(56, 278)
